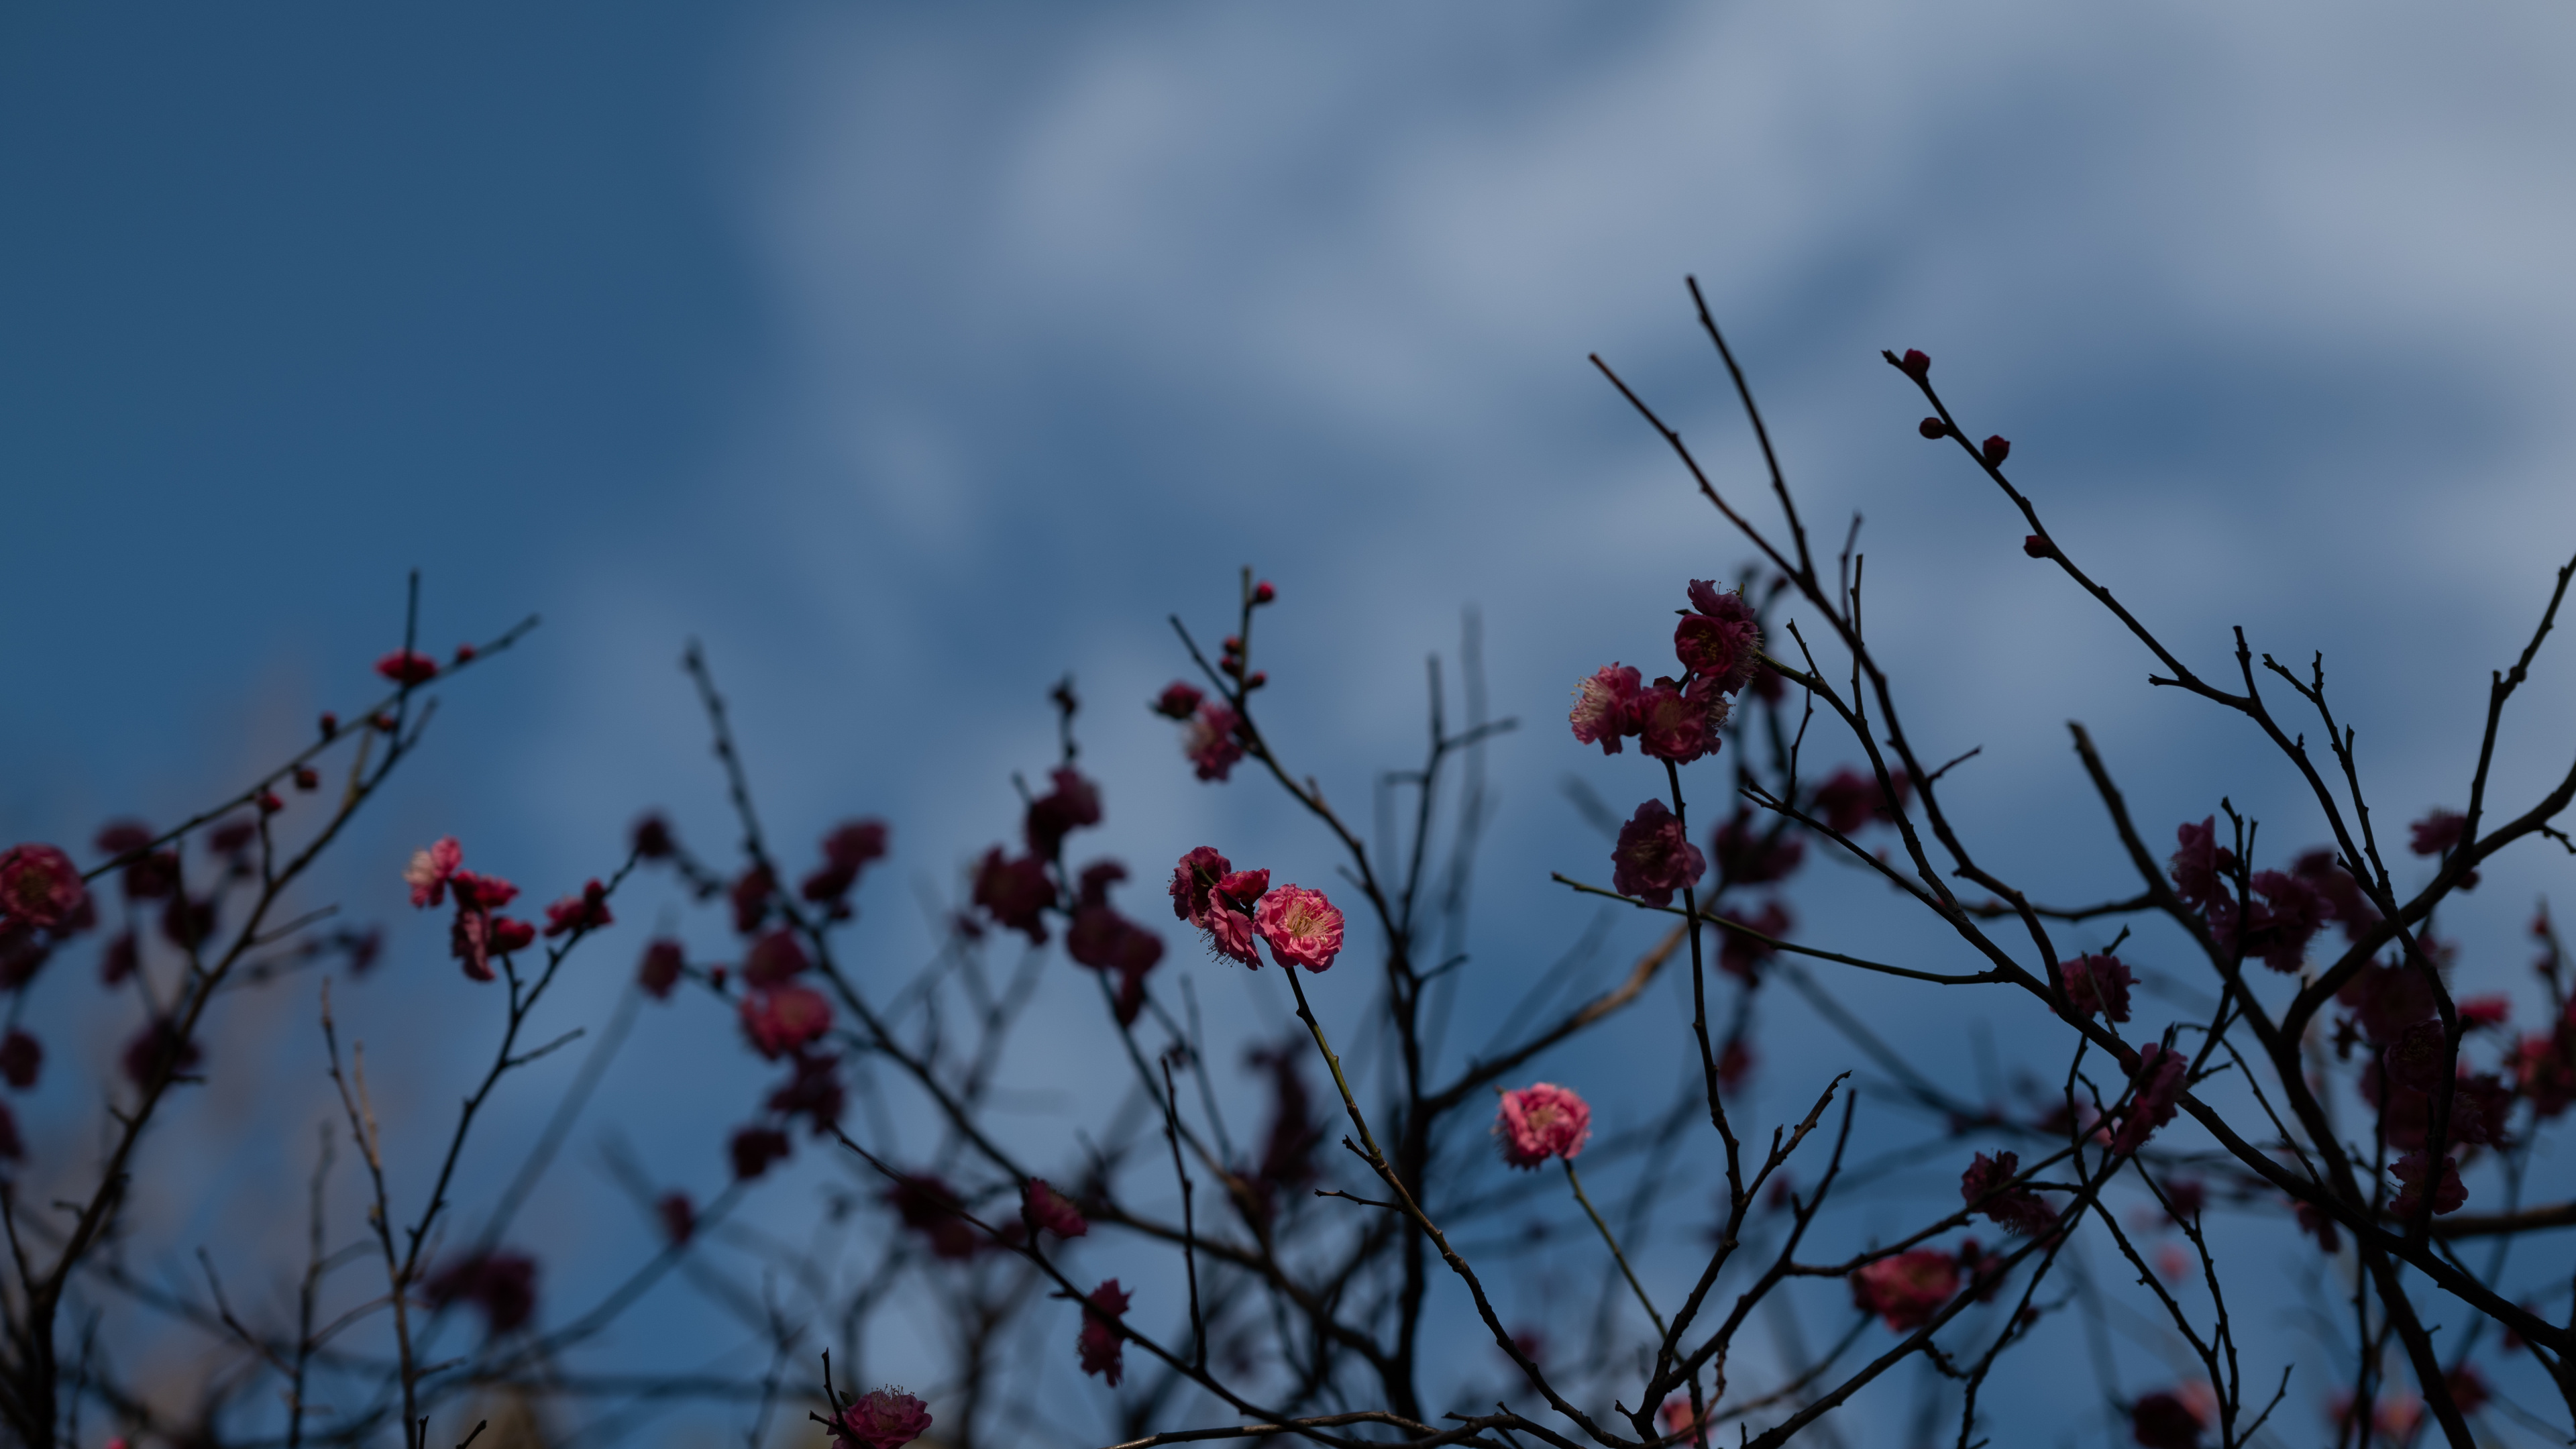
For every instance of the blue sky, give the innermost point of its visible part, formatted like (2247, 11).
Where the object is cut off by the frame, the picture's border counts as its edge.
(910, 357)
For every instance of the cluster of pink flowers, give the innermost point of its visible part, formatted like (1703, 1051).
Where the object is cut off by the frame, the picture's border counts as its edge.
(2283, 911)
(1232, 907)
(1906, 1289)
(1044, 1208)
(2097, 986)
(2159, 1083)
(1540, 1121)
(1100, 1346)
(1718, 643)
(477, 934)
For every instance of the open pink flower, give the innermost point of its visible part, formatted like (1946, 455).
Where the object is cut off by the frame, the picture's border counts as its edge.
(1720, 642)
(2097, 984)
(1540, 1121)
(585, 912)
(430, 868)
(1605, 707)
(1302, 927)
(1103, 1351)
(1053, 1211)
(1227, 916)
(1193, 878)
(1908, 1289)
(2017, 1209)
(40, 888)
(784, 1018)
(887, 1418)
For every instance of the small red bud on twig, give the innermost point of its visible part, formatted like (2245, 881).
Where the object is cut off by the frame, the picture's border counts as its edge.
(307, 778)
(465, 653)
(269, 804)
(1258, 679)
(1933, 428)
(1916, 365)
(1262, 593)
(330, 725)
(2037, 546)
(1996, 450)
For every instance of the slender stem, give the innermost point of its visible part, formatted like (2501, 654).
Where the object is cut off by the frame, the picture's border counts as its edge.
(1627, 1272)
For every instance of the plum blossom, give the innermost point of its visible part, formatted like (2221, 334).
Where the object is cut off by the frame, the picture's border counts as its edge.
(22, 1057)
(1720, 642)
(660, 970)
(1211, 741)
(2097, 985)
(784, 1018)
(2411, 1170)
(753, 1149)
(1072, 804)
(849, 849)
(1302, 927)
(774, 959)
(1680, 725)
(930, 1207)
(2159, 1082)
(1179, 700)
(2015, 1209)
(503, 1286)
(2164, 1421)
(2436, 833)
(1195, 876)
(1102, 1349)
(1906, 1290)
(1540, 1121)
(585, 912)
(40, 888)
(1605, 707)
(886, 1418)
(1654, 858)
(1742, 956)
(1015, 892)
(1053, 1211)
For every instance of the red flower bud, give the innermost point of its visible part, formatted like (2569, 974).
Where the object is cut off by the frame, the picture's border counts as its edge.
(1233, 643)
(269, 804)
(330, 724)
(2037, 545)
(407, 667)
(1933, 428)
(1915, 365)
(1258, 679)
(465, 653)
(307, 778)
(1996, 450)
(1262, 593)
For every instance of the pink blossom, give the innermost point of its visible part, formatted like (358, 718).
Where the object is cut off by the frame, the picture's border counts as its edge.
(849, 849)
(40, 888)
(930, 1207)
(2015, 1209)
(1074, 803)
(1654, 858)
(2435, 833)
(2159, 1082)
(2199, 862)
(480, 892)
(773, 959)
(660, 970)
(1678, 725)
(2097, 985)
(477, 936)
(1192, 879)
(814, 1092)
(1102, 1348)
(408, 667)
(2164, 1421)
(1722, 641)
(1540, 1121)
(22, 1057)
(1302, 927)
(1605, 707)
(1211, 741)
(1228, 916)
(1741, 956)
(1053, 1211)
(1906, 1290)
(1915, 365)
(887, 1418)
(750, 896)
(585, 912)
(1178, 700)
(783, 1018)
(1015, 893)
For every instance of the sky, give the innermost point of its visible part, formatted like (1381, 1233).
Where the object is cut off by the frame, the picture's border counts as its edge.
(911, 358)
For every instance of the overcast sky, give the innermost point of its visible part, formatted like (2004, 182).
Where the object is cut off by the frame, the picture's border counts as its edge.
(912, 357)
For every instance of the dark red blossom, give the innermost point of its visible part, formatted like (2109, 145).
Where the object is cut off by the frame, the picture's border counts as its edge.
(2037, 545)
(1748, 854)
(1681, 725)
(2344, 902)
(660, 970)
(750, 895)
(776, 958)
(1071, 805)
(2415, 1059)
(585, 912)
(784, 1019)
(2544, 1068)
(652, 838)
(502, 1286)
(116, 961)
(2411, 1170)
(151, 876)
(1192, 880)
(1987, 1188)
(1654, 858)
(2164, 1421)
(22, 1057)
(848, 850)
(408, 667)
(481, 892)
(2159, 1082)
(476, 936)
(1052, 1211)
(885, 1418)
(1178, 700)
(40, 887)
(1015, 892)
(679, 1216)
(307, 778)
(156, 1050)
(1742, 956)
(1849, 799)
(753, 1149)
(1994, 450)
(1099, 1344)
(1915, 365)
(1605, 707)
(23, 952)
(1721, 640)
(933, 1209)
(2437, 833)
(2286, 914)
(1906, 1290)
(813, 1093)
(2199, 863)
(2097, 985)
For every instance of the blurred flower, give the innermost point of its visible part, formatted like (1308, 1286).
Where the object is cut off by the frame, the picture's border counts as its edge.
(2159, 1082)
(1211, 741)
(1102, 1349)
(886, 1418)
(408, 666)
(1906, 1290)
(1654, 858)
(503, 1286)
(39, 887)
(781, 1019)
(1053, 1211)
(1540, 1121)
(2097, 984)
(2015, 1209)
